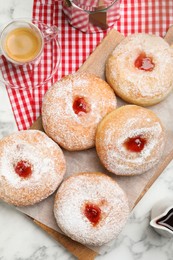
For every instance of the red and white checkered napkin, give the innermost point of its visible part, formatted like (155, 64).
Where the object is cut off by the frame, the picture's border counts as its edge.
(136, 16)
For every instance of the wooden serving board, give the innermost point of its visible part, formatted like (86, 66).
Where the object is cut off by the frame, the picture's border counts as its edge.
(96, 64)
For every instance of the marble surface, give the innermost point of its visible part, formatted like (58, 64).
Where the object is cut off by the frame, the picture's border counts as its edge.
(20, 239)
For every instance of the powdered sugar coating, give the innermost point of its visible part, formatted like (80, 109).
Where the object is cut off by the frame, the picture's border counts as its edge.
(76, 131)
(139, 86)
(47, 164)
(94, 188)
(128, 122)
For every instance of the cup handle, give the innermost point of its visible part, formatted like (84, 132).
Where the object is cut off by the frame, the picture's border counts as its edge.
(50, 33)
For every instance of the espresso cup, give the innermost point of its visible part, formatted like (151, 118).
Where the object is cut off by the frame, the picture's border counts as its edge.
(22, 42)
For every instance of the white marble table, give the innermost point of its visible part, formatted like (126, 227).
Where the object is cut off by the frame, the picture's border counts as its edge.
(21, 239)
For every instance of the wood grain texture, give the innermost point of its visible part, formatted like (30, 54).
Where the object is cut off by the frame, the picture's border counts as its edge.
(78, 250)
(99, 56)
(169, 36)
(97, 60)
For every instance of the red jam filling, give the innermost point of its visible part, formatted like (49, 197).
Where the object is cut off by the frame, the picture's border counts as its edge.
(135, 144)
(23, 169)
(144, 63)
(93, 213)
(80, 105)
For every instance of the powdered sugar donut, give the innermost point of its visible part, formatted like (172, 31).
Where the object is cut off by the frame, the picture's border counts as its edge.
(130, 140)
(91, 208)
(73, 107)
(140, 69)
(31, 167)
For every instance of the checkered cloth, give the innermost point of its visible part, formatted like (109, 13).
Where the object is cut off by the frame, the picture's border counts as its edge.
(136, 16)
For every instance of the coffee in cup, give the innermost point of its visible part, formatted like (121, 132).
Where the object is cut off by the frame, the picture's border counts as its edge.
(21, 42)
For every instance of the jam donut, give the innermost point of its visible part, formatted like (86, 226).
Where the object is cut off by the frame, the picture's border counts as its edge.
(73, 107)
(91, 208)
(140, 69)
(130, 140)
(31, 167)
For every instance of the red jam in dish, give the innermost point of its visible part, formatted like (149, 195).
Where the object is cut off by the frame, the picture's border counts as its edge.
(144, 63)
(23, 169)
(135, 144)
(93, 213)
(80, 105)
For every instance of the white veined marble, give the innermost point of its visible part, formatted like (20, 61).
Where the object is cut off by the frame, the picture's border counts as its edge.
(20, 239)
